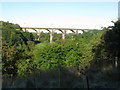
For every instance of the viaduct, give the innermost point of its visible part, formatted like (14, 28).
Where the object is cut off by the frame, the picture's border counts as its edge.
(52, 30)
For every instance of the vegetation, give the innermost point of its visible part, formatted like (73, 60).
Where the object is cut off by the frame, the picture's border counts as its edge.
(21, 56)
(16, 45)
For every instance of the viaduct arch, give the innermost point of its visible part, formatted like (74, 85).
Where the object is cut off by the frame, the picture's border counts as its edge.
(52, 30)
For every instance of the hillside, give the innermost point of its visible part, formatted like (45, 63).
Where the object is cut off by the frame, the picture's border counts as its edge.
(88, 60)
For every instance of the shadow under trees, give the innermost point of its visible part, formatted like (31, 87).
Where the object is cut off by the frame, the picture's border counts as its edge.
(105, 66)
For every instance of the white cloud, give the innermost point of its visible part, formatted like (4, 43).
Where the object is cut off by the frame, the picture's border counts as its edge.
(63, 22)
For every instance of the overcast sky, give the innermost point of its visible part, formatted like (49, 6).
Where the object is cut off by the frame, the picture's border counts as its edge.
(67, 14)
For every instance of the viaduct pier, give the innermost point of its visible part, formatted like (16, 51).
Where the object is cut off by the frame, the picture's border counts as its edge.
(52, 30)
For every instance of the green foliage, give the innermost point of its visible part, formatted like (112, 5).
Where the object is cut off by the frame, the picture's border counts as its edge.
(35, 36)
(16, 45)
(25, 67)
(8, 58)
(21, 56)
(44, 37)
(74, 52)
(112, 39)
(108, 47)
(48, 57)
(0, 48)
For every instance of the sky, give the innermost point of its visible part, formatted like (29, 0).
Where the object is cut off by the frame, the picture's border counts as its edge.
(69, 14)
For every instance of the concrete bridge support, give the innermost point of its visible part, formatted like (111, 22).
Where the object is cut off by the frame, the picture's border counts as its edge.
(76, 32)
(51, 31)
(38, 33)
(25, 30)
(51, 35)
(63, 34)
